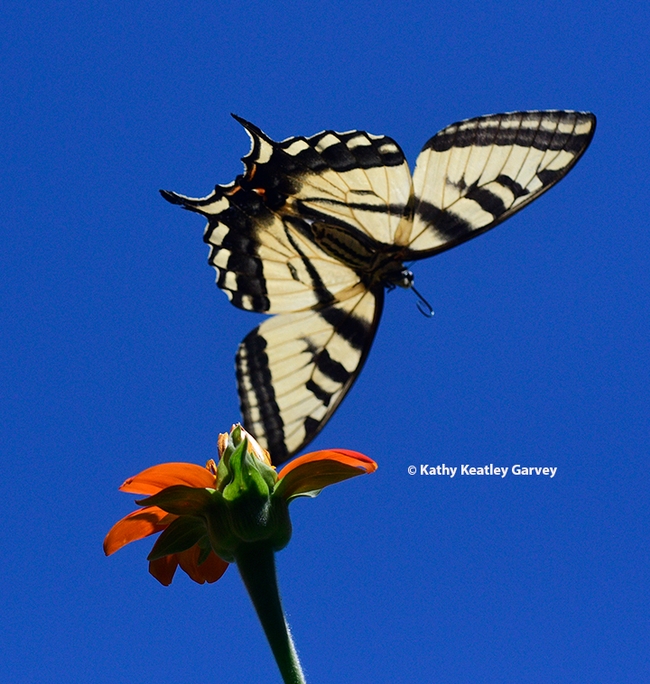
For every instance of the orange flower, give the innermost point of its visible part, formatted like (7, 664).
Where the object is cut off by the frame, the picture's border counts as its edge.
(194, 494)
(152, 519)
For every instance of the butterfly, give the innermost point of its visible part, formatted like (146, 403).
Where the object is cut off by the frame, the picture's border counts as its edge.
(317, 228)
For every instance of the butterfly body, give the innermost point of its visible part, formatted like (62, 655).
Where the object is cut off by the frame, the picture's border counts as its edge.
(316, 228)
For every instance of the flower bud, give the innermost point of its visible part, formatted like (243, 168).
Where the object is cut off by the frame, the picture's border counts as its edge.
(245, 509)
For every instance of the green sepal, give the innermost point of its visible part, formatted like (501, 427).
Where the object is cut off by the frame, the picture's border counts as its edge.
(180, 500)
(224, 473)
(218, 523)
(248, 474)
(181, 535)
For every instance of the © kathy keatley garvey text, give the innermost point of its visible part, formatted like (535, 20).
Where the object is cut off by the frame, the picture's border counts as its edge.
(490, 470)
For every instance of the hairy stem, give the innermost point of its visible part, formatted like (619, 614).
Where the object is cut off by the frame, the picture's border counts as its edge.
(256, 565)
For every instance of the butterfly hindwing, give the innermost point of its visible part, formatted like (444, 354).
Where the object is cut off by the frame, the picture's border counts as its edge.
(265, 261)
(473, 175)
(293, 370)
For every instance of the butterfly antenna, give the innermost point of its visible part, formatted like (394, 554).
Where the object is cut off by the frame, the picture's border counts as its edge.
(423, 306)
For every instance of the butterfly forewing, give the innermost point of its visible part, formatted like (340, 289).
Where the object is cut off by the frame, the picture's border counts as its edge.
(294, 369)
(476, 173)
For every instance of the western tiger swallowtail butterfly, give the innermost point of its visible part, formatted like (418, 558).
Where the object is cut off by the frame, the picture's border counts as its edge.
(316, 229)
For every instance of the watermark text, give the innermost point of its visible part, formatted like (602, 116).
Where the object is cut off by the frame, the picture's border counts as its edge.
(489, 470)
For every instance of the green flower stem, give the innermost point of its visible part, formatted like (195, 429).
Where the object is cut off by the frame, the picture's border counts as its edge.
(256, 565)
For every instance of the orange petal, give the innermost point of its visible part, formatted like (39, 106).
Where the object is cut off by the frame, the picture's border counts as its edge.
(136, 525)
(352, 458)
(309, 474)
(209, 571)
(152, 480)
(213, 568)
(163, 569)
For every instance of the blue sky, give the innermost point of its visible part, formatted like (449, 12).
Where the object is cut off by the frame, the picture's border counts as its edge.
(116, 348)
